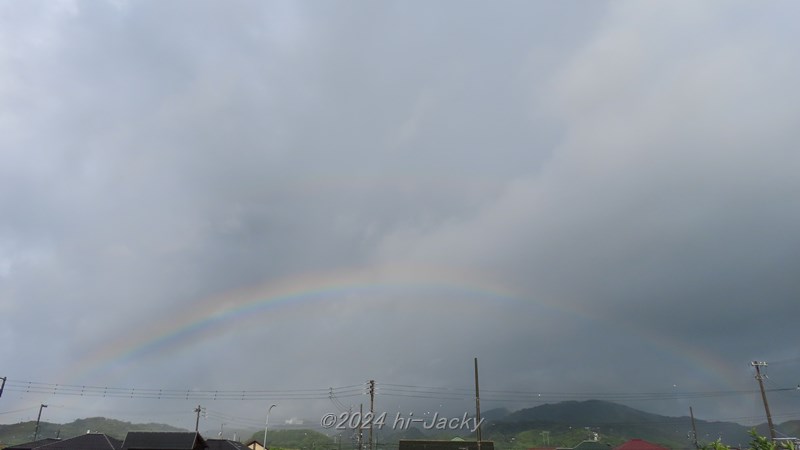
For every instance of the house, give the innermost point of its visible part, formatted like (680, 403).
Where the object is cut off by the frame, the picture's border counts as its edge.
(32, 445)
(639, 444)
(163, 440)
(90, 441)
(419, 444)
(255, 445)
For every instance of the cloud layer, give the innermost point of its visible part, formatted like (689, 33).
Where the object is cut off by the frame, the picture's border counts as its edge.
(296, 195)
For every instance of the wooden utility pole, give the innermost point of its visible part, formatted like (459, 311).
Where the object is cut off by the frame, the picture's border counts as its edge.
(760, 378)
(371, 412)
(694, 429)
(477, 407)
(360, 429)
(197, 421)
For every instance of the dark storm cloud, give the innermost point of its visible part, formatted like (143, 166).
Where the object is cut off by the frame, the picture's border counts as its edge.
(628, 174)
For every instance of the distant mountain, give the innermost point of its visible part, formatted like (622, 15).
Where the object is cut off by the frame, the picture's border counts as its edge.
(23, 431)
(562, 424)
(396, 436)
(493, 415)
(790, 428)
(590, 412)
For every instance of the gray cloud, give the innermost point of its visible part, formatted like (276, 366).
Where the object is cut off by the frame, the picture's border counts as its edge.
(589, 200)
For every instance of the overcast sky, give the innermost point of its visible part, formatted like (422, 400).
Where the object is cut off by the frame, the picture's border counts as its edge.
(596, 200)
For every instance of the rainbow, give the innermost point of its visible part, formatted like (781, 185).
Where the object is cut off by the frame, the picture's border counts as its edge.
(271, 300)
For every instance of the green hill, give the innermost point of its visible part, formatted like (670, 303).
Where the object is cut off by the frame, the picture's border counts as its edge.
(790, 428)
(297, 439)
(568, 423)
(23, 431)
(563, 424)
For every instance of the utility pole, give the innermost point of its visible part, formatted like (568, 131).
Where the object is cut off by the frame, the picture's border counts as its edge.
(36, 432)
(694, 429)
(371, 412)
(360, 430)
(760, 378)
(197, 421)
(477, 406)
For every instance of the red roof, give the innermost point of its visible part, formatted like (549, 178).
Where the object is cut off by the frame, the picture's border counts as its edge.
(640, 444)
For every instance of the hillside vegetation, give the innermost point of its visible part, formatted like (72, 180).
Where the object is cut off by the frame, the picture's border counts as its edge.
(298, 439)
(563, 424)
(21, 432)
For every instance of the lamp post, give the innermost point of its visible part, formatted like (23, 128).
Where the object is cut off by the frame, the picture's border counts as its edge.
(266, 425)
(36, 432)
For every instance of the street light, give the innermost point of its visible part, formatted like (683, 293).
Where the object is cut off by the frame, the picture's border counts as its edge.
(266, 425)
(36, 432)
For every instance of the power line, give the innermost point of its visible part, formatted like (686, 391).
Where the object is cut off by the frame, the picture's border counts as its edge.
(796, 359)
(337, 394)
(18, 410)
(336, 402)
(32, 387)
(234, 420)
(450, 393)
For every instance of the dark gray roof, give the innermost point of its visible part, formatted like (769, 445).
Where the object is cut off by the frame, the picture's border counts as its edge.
(32, 445)
(163, 440)
(92, 441)
(224, 444)
(419, 444)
